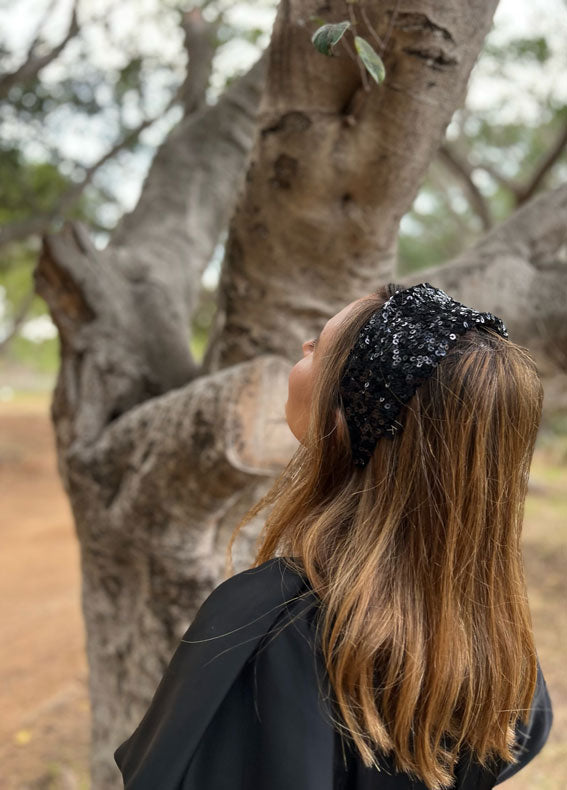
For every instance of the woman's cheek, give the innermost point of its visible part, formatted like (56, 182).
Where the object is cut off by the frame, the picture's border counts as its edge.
(298, 380)
(297, 405)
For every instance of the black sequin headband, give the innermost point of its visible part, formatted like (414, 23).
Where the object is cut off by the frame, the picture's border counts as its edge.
(396, 350)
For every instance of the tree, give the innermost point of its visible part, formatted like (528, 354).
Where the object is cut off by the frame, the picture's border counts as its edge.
(96, 74)
(161, 456)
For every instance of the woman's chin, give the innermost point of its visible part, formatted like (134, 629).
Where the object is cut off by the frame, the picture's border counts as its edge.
(293, 428)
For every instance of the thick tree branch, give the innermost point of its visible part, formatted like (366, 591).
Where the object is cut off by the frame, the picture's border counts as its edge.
(190, 191)
(519, 271)
(188, 155)
(140, 289)
(91, 299)
(461, 169)
(34, 63)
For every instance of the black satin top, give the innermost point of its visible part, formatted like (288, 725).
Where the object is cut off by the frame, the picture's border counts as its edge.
(243, 704)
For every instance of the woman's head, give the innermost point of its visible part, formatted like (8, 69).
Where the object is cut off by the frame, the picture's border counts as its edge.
(397, 350)
(416, 557)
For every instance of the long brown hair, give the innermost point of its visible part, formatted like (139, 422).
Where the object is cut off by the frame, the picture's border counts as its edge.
(416, 557)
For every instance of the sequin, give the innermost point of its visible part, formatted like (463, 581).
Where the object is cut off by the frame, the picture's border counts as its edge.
(385, 356)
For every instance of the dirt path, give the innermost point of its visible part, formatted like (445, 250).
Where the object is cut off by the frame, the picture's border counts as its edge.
(44, 729)
(43, 698)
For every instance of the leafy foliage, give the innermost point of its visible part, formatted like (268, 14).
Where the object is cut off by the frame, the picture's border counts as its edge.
(27, 186)
(536, 48)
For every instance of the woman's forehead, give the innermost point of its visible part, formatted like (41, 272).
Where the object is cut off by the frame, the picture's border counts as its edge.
(336, 319)
(334, 322)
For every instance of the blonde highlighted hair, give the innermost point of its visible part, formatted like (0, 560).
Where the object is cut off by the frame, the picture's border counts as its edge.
(416, 558)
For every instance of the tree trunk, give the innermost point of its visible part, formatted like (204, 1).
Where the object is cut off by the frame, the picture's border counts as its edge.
(161, 457)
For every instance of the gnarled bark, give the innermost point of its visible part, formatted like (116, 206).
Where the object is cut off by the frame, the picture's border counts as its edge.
(340, 165)
(123, 316)
(519, 272)
(161, 457)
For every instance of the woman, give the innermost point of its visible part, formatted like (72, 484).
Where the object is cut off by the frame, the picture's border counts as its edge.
(382, 638)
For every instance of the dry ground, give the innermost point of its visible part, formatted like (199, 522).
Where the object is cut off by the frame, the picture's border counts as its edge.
(44, 729)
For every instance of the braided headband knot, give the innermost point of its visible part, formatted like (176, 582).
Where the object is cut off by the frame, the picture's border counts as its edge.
(396, 350)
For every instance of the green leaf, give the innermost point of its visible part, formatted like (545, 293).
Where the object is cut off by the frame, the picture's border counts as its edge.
(325, 38)
(371, 59)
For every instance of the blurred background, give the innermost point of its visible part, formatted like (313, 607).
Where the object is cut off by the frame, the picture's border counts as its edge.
(87, 93)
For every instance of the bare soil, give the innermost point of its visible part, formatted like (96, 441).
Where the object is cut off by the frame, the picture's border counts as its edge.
(44, 728)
